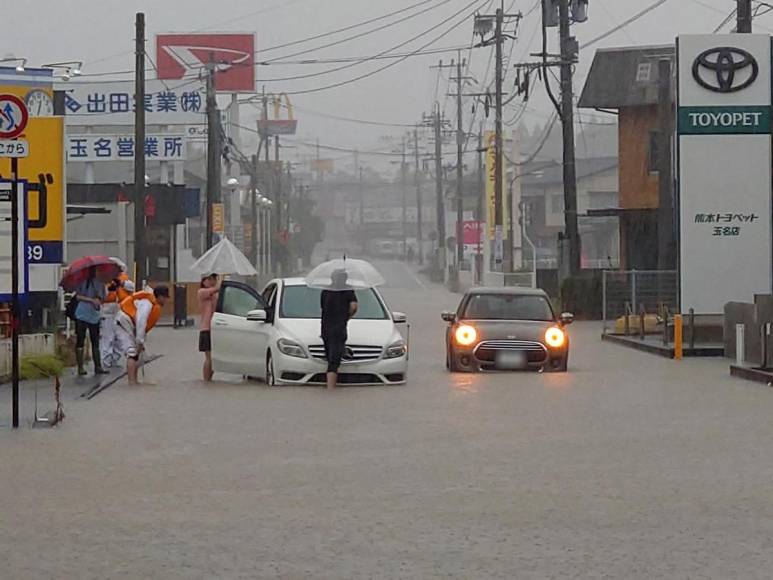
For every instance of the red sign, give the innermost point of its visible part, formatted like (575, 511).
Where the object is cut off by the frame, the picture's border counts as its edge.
(472, 233)
(185, 56)
(13, 116)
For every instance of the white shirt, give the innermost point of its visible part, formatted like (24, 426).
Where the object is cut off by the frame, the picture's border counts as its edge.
(144, 308)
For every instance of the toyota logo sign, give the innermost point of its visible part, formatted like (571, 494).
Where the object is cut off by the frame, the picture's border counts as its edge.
(725, 69)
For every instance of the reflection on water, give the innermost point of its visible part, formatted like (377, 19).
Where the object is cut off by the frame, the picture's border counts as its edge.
(469, 383)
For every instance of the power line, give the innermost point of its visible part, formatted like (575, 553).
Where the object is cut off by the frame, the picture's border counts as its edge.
(625, 23)
(391, 64)
(359, 35)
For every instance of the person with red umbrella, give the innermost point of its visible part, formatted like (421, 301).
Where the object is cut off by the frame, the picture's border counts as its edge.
(88, 278)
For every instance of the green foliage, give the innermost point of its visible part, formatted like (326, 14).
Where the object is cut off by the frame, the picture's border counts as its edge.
(40, 366)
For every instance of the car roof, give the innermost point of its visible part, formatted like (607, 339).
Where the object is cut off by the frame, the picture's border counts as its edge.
(509, 291)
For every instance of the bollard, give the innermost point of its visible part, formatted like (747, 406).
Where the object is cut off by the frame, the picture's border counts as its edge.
(692, 328)
(740, 344)
(678, 347)
(642, 319)
(664, 316)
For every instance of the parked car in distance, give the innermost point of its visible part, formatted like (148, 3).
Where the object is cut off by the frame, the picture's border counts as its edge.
(274, 335)
(506, 329)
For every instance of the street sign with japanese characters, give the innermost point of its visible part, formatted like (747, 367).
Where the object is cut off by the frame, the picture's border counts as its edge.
(112, 103)
(17, 148)
(6, 246)
(724, 156)
(94, 147)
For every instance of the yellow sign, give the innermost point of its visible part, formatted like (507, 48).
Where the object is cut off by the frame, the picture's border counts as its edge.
(45, 175)
(489, 140)
(218, 218)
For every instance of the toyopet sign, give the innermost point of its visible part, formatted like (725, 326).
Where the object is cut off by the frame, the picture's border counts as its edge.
(724, 127)
(112, 103)
(93, 147)
(185, 56)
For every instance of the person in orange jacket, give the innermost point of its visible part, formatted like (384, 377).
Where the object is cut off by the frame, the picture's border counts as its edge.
(117, 291)
(137, 316)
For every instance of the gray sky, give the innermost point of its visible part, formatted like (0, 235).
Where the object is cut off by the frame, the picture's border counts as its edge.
(100, 32)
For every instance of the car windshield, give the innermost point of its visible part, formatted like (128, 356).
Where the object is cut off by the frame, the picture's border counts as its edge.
(507, 307)
(303, 302)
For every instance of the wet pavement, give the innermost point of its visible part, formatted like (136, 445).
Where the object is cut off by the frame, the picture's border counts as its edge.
(629, 466)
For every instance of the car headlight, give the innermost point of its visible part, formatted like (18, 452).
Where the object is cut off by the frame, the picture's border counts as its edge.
(396, 350)
(290, 348)
(555, 337)
(465, 335)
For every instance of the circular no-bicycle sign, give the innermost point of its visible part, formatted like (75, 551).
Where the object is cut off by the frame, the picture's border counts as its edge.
(13, 116)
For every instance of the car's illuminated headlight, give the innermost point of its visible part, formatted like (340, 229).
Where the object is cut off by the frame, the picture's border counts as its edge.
(466, 335)
(555, 337)
(290, 348)
(396, 350)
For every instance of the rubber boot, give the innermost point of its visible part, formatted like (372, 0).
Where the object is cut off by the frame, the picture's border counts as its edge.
(96, 355)
(79, 360)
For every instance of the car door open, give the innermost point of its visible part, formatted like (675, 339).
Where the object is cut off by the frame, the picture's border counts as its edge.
(237, 330)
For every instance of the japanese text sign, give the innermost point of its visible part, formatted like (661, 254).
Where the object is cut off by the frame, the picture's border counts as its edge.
(93, 147)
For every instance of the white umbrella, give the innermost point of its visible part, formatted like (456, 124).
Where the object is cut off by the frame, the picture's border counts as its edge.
(344, 274)
(224, 258)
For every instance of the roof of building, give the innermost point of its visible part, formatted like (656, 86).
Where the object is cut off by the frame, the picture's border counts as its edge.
(624, 77)
(541, 174)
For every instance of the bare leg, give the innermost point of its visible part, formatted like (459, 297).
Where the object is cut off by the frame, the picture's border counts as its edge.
(208, 372)
(332, 380)
(132, 366)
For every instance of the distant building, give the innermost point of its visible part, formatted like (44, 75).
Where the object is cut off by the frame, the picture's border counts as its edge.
(542, 190)
(625, 80)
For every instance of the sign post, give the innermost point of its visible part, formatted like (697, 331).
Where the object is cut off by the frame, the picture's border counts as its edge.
(13, 120)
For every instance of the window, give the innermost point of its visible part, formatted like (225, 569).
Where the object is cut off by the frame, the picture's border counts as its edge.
(507, 307)
(238, 302)
(303, 302)
(653, 154)
(644, 72)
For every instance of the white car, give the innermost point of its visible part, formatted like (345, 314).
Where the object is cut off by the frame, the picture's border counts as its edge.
(274, 335)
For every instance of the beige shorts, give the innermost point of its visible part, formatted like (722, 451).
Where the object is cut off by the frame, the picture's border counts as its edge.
(126, 344)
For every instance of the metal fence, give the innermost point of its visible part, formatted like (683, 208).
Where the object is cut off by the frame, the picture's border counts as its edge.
(628, 292)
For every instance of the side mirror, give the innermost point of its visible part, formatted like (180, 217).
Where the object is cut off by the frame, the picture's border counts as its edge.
(566, 318)
(399, 317)
(448, 316)
(259, 315)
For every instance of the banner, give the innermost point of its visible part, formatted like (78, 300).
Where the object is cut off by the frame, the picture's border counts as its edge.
(489, 141)
(112, 103)
(723, 120)
(93, 147)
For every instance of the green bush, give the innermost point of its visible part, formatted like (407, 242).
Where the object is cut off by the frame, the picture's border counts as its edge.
(40, 366)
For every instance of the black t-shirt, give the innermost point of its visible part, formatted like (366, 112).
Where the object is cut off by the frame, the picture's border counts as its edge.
(335, 309)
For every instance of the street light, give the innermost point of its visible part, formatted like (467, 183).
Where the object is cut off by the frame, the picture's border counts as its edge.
(72, 68)
(22, 62)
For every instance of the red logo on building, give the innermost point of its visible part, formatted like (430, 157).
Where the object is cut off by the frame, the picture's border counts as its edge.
(185, 56)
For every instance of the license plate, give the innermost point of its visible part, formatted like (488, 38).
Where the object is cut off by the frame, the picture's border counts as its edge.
(511, 361)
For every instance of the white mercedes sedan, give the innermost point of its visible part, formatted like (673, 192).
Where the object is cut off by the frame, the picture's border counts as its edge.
(274, 335)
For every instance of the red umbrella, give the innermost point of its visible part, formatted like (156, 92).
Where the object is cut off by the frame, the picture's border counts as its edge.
(80, 270)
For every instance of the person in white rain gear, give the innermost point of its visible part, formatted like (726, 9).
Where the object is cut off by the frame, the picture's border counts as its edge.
(139, 313)
(117, 291)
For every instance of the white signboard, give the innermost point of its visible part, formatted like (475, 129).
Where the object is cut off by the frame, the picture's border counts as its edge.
(112, 103)
(92, 147)
(18, 148)
(724, 102)
(6, 189)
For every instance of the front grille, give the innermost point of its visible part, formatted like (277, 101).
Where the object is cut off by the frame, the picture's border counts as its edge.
(486, 351)
(352, 354)
(349, 379)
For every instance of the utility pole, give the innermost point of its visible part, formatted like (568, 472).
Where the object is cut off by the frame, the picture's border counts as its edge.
(460, 137)
(278, 219)
(213, 149)
(417, 182)
(480, 204)
(139, 151)
(254, 210)
(499, 148)
(568, 59)
(404, 187)
(744, 14)
(440, 207)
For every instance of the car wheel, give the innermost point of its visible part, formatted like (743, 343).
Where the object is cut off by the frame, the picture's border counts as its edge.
(451, 363)
(562, 366)
(270, 377)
